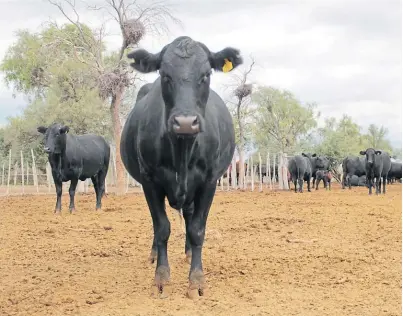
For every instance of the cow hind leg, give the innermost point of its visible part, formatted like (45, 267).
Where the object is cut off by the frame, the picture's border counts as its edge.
(155, 197)
(95, 181)
(196, 231)
(301, 183)
(72, 193)
(384, 185)
(101, 186)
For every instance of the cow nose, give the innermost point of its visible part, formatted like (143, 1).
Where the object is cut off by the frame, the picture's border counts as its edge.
(46, 149)
(188, 125)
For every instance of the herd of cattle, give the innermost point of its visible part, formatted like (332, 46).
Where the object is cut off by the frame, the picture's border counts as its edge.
(177, 141)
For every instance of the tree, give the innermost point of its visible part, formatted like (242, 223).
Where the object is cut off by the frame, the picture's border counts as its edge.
(281, 120)
(376, 138)
(241, 111)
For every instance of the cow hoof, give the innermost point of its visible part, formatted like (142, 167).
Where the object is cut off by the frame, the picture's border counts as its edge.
(159, 291)
(73, 211)
(162, 276)
(152, 257)
(58, 212)
(196, 284)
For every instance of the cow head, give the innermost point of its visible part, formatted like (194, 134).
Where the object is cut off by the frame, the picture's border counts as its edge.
(370, 155)
(321, 162)
(55, 138)
(185, 67)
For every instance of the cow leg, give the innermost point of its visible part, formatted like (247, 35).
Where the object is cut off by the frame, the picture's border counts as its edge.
(309, 185)
(72, 192)
(384, 185)
(162, 229)
(187, 214)
(59, 186)
(301, 183)
(317, 183)
(349, 181)
(95, 181)
(295, 184)
(343, 180)
(101, 187)
(378, 185)
(369, 181)
(196, 231)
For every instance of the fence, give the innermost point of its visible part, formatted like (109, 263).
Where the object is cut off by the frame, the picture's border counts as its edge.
(25, 177)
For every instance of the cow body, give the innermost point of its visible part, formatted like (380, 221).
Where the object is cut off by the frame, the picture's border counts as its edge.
(395, 172)
(325, 176)
(76, 157)
(377, 166)
(358, 181)
(352, 166)
(300, 170)
(318, 163)
(177, 142)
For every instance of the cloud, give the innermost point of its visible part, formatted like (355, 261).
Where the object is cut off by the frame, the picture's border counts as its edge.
(343, 54)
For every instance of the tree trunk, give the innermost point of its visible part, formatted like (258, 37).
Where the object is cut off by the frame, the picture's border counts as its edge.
(117, 129)
(241, 148)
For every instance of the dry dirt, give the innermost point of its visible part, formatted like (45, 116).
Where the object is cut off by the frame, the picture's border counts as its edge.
(270, 253)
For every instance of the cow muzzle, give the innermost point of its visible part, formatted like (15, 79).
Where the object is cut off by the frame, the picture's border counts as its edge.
(186, 125)
(46, 150)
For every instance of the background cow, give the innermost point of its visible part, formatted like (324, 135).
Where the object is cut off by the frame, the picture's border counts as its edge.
(178, 140)
(395, 172)
(377, 166)
(300, 170)
(76, 157)
(326, 177)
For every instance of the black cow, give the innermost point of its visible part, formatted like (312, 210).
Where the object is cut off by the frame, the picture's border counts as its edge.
(358, 181)
(377, 165)
(76, 157)
(300, 170)
(395, 172)
(352, 166)
(317, 163)
(325, 176)
(177, 142)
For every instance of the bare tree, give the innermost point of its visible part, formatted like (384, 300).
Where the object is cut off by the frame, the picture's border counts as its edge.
(135, 20)
(242, 91)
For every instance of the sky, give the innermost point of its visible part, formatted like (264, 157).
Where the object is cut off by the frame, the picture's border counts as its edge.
(345, 55)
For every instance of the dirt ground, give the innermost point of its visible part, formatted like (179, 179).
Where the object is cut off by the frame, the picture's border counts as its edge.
(269, 253)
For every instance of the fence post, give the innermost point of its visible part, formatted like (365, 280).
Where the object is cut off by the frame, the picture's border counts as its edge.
(48, 174)
(27, 182)
(9, 172)
(269, 171)
(284, 170)
(233, 173)
(22, 173)
(252, 174)
(34, 174)
(274, 170)
(260, 174)
(2, 177)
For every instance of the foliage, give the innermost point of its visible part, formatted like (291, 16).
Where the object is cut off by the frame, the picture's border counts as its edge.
(280, 120)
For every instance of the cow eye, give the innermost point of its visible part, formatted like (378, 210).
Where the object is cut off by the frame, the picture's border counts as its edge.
(166, 78)
(205, 77)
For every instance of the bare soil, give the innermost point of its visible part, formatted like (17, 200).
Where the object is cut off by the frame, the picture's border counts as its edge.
(269, 253)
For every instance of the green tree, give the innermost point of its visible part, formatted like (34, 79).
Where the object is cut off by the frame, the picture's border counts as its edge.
(376, 138)
(281, 121)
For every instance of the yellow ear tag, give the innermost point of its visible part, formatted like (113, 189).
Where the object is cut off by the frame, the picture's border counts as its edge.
(227, 65)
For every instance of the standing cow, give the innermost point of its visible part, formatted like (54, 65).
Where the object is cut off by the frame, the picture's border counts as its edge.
(177, 142)
(377, 165)
(300, 170)
(73, 158)
(395, 172)
(326, 177)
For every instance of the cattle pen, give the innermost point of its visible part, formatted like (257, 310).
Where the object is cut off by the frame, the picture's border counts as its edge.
(268, 251)
(22, 175)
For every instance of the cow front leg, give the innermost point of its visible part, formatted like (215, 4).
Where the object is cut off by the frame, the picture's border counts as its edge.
(187, 215)
(369, 181)
(196, 231)
(58, 207)
(155, 197)
(72, 192)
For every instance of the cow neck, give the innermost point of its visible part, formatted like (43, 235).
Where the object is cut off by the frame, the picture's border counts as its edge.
(60, 160)
(181, 151)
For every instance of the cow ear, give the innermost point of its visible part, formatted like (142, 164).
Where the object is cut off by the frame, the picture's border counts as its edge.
(363, 152)
(64, 130)
(303, 154)
(226, 60)
(42, 129)
(378, 152)
(144, 61)
(314, 155)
